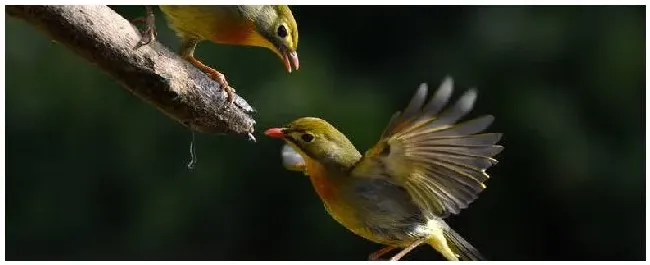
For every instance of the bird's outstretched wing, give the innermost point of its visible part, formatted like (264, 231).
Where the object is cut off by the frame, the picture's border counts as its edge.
(439, 162)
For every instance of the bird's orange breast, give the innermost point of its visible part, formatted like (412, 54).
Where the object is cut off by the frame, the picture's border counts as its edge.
(319, 179)
(234, 33)
(329, 189)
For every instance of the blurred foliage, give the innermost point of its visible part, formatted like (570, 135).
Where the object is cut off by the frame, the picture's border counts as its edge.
(93, 173)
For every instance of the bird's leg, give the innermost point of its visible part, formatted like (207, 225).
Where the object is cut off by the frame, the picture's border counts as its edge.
(187, 52)
(377, 254)
(408, 249)
(149, 33)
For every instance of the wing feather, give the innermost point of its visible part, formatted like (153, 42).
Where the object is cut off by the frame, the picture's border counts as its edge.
(466, 128)
(488, 151)
(485, 139)
(440, 162)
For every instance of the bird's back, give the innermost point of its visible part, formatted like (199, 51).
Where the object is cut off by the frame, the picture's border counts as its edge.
(205, 22)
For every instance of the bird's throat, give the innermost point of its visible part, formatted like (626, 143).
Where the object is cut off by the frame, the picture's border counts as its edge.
(324, 181)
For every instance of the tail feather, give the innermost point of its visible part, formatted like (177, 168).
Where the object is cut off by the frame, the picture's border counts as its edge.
(461, 247)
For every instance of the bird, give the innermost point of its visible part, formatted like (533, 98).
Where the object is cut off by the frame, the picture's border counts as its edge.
(268, 26)
(425, 167)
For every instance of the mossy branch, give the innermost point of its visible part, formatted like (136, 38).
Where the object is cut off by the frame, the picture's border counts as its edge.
(152, 72)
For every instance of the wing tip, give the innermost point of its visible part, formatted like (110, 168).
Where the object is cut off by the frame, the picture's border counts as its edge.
(447, 83)
(499, 149)
(467, 100)
(423, 86)
(446, 89)
(417, 101)
(498, 137)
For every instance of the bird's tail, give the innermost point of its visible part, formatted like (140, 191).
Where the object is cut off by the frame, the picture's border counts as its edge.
(460, 246)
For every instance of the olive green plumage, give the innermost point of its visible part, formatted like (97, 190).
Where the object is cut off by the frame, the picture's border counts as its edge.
(425, 167)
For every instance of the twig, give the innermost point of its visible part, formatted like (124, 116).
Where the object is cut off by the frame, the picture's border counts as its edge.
(152, 72)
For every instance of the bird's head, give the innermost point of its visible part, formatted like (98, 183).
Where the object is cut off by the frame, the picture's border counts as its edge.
(276, 29)
(317, 140)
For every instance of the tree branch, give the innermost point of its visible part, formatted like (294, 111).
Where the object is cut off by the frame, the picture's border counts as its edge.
(152, 72)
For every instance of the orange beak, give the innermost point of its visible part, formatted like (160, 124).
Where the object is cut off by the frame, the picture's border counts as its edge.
(275, 132)
(290, 58)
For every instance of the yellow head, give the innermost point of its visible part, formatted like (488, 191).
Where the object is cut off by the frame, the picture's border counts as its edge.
(317, 140)
(276, 29)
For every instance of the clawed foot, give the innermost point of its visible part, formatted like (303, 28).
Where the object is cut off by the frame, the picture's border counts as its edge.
(149, 33)
(221, 80)
(216, 76)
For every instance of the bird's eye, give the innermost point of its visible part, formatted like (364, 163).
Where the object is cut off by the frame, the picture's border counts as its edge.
(282, 31)
(307, 137)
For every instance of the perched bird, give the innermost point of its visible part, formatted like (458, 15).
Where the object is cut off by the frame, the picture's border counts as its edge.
(424, 168)
(269, 26)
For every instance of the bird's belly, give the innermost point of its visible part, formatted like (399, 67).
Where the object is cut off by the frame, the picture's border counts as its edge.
(387, 227)
(382, 231)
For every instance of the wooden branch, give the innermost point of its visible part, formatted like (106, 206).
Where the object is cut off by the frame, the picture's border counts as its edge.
(152, 72)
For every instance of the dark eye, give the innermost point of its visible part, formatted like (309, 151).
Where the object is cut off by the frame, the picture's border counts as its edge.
(307, 137)
(282, 31)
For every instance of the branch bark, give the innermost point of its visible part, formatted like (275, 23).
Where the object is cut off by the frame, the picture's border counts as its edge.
(151, 72)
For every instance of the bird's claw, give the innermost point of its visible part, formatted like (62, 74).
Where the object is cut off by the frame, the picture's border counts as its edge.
(214, 75)
(149, 33)
(221, 80)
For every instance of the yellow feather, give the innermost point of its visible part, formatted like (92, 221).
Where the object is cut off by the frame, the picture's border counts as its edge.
(425, 166)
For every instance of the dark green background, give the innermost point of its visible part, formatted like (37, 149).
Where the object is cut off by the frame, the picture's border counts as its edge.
(95, 173)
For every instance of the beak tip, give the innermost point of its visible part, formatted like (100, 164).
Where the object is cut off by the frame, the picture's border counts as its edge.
(289, 59)
(295, 61)
(275, 132)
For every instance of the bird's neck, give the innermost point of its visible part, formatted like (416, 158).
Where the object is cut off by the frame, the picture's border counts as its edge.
(326, 179)
(342, 161)
(327, 174)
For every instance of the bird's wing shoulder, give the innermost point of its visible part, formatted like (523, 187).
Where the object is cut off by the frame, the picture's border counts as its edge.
(440, 163)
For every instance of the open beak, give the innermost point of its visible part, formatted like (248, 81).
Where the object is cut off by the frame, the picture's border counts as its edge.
(275, 132)
(291, 58)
